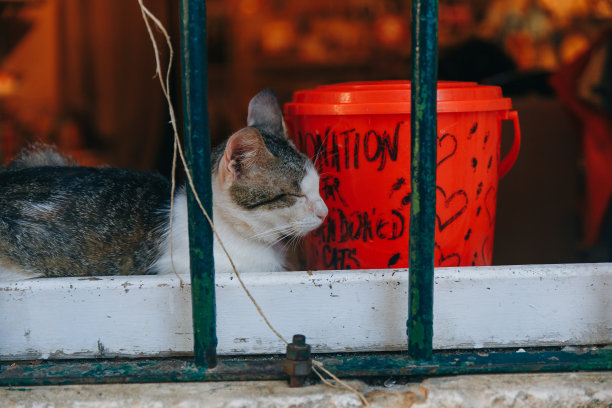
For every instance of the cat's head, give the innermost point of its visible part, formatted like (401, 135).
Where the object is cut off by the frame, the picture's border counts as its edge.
(264, 186)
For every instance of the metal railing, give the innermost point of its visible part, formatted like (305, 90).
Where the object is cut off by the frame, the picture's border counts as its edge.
(424, 131)
(197, 152)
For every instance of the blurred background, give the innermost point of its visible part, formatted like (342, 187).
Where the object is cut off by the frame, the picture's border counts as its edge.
(80, 74)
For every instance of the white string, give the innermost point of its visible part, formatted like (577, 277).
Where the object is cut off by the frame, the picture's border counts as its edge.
(165, 85)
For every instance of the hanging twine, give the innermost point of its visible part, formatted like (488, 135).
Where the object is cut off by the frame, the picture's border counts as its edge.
(164, 81)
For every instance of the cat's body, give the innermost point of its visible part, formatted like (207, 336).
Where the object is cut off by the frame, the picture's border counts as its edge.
(66, 220)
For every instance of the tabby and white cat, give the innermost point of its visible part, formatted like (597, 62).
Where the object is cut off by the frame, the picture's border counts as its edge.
(60, 219)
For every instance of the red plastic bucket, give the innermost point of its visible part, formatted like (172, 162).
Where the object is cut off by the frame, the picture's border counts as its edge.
(358, 135)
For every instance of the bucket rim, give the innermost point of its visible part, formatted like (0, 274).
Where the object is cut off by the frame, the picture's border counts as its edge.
(393, 97)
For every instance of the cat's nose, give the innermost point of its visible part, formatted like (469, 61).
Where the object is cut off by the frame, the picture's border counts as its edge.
(320, 209)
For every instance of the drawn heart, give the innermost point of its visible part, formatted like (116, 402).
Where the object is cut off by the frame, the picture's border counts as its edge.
(452, 207)
(446, 260)
(490, 201)
(450, 147)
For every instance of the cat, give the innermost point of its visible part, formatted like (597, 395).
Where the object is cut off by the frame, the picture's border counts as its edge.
(61, 219)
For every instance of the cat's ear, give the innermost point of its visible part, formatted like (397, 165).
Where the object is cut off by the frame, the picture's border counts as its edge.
(265, 114)
(245, 151)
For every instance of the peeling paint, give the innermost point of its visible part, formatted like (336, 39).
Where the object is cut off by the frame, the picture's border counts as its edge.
(100, 348)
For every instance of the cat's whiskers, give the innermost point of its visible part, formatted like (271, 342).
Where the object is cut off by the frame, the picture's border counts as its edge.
(315, 158)
(272, 232)
(269, 231)
(294, 231)
(294, 241)
(295, 234)
(278, 240)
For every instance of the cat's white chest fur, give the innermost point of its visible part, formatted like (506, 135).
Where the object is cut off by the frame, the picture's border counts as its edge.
(247, 254)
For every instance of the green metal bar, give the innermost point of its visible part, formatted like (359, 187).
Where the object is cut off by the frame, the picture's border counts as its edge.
(197, 149)
(423, 177)
(344, 366)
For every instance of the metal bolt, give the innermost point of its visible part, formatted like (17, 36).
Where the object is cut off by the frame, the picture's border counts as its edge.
(297, 363)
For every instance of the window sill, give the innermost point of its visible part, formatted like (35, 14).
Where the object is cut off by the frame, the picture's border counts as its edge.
(338, 311)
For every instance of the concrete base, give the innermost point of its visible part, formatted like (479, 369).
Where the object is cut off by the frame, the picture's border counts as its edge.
(524, 390)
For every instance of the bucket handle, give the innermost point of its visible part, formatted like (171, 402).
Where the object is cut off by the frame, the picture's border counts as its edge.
(508, 161)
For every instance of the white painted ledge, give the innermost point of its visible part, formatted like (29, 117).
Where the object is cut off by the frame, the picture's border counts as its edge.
(507, 306)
